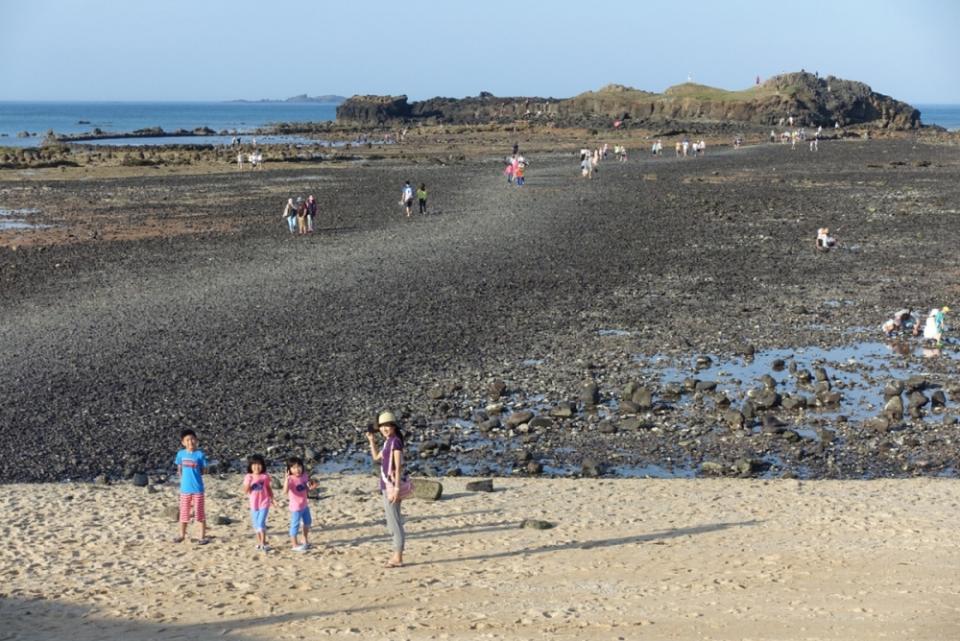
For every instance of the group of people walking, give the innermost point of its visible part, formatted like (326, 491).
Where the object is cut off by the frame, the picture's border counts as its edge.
(300, 215)
(258, 487)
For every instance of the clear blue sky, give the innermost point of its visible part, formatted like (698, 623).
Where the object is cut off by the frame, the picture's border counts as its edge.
(225, 49)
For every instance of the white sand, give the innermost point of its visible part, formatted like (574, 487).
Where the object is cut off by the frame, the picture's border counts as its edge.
(631, 559)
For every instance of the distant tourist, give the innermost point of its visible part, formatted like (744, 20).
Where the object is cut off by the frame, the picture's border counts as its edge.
(773, 136)
(814, 144)
(508, 171)
(240, 161)
(290, 213)
(256, 485)
(422, 197)
(311, 213)
(301, 217)
(392, 478)
(406, 197)
(519, 171)
(901, 320)
(935, 326)
(191, 464)
(824, 240)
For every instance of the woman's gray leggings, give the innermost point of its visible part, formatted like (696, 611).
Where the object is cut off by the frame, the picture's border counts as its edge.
(394, 522)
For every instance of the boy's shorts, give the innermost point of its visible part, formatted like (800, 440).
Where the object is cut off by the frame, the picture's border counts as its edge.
(259, 519)
(297, 517)
(197, 501)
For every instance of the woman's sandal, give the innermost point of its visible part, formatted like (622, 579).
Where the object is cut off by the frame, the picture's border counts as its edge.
(392, 564)
(178, 539)
(203, 541)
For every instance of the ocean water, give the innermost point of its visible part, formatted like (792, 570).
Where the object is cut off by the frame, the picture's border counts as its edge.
(947, 116)
(121, 117)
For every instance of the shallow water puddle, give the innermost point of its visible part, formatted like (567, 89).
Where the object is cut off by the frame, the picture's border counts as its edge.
(12, 219)
(858, 371)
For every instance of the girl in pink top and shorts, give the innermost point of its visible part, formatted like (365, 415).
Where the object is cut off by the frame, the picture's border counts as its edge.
(295, 484)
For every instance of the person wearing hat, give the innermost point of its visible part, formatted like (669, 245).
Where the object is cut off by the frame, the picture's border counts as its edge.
(934, 327)
(390, 457)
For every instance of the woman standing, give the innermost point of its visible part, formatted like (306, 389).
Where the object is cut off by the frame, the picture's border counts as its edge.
(391, 467)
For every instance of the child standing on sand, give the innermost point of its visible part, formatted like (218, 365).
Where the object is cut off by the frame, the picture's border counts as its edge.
(422, 197)
(256, 484)
(295, 484)
(190, 464)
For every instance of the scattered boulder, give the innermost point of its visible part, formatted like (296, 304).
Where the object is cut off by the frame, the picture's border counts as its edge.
(534, 468)
(915, 383)
(563, 409)
(938, 399)
(703, 362)
(797, 402)
(222, 519)
(632, 424)
(427, 490)
(591, 468)
(765, 399)
(734, 419)
(497, 389)
(916, 399)
(893, 408)
(607, 427)
(828, 398)
(712, 468)
(140, 480)
(878, 424)
(485, 485)
(744, 349)
(705, 386)
(642, 398)
(589, 394)
(540, 423)
(519, 418)
(892, 388)
(536, 524)
(778, 365)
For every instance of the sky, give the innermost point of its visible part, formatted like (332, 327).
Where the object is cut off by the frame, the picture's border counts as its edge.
(251, 49)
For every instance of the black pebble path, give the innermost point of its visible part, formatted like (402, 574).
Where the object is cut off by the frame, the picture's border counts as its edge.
(261, 340)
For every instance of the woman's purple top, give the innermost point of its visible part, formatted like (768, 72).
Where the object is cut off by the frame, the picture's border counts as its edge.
(393, 443)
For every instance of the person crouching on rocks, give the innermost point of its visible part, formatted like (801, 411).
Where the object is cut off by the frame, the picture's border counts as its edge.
(824, 240)
(900, 321)
(390, 457)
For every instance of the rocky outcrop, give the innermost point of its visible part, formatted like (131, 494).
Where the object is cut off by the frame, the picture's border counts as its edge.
(809, 99)
(479, 109)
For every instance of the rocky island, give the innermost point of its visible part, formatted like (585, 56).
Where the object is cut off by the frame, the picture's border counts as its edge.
(808, 98)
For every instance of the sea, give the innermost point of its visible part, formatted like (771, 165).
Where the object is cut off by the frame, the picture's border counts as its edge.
(124, 117)
(240, 117)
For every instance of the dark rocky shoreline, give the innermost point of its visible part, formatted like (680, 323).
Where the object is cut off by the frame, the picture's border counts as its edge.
(263, 342)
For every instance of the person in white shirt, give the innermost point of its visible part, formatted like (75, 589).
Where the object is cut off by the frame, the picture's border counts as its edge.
(406, 198)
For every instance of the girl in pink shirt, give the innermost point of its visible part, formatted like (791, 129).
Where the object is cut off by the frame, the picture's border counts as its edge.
(256, 484)
(295, 484)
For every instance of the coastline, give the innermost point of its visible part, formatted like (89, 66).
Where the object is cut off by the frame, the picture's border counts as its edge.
(717, 559)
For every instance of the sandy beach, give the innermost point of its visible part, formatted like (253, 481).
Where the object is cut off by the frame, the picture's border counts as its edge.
(627, 559)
